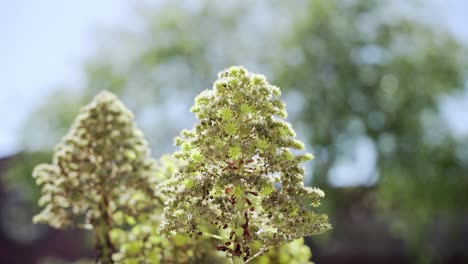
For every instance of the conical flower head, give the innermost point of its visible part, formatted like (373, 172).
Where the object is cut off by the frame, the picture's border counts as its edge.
(100, 162)
(240, 172)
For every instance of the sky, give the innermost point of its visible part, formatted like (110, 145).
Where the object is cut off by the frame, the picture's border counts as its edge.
(44, 43)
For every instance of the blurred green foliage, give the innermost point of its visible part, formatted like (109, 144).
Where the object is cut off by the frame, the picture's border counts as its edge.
(361, 70)
(366, 75)
(18, 177)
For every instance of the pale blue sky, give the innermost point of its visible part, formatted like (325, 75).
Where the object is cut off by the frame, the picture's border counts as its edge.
(43, 44)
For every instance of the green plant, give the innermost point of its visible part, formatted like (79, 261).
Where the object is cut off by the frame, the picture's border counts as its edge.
(235, 169)
(239, 174)
(101, 168)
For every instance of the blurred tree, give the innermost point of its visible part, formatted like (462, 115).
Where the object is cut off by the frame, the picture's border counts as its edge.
(51, 121)
(18, 176)
(371, 79)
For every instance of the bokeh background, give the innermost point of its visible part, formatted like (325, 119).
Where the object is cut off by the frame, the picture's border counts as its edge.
(378, 91)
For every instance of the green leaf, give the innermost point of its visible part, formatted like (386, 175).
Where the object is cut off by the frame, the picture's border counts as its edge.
(225, 114)
(196, 156)
(245, 109)
(235, 152)
(230, 128)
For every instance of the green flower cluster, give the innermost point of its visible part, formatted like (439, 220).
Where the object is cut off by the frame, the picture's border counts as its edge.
(295, 252)
(240, 175)
(102, 167)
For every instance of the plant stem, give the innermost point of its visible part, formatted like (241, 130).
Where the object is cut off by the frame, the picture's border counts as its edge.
(258, 254)
(102, 231)
(214, 236)
(238, 260)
